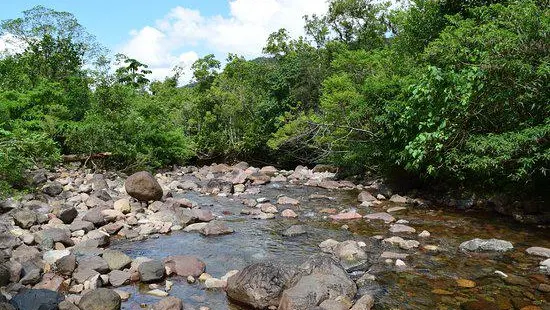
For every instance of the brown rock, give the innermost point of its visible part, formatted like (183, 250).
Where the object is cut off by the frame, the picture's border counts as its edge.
(143, 186)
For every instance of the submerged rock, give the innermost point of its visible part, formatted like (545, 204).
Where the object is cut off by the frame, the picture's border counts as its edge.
(492, 245)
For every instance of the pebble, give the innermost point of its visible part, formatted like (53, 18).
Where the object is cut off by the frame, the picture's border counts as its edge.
(168, 285)
(400, 264)
(204, 276)
(190, 279)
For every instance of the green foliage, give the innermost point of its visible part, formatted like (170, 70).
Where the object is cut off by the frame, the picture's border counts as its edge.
(453, 91)
(21, 150)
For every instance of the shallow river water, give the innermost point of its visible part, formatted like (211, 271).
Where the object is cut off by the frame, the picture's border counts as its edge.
(429, 282)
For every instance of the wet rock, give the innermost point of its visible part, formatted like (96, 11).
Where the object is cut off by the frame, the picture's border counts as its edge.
(351, 215)
(100, 299)
(25, 218)
(267, 208)
(116, 259)
(400, 228)
(195, 227)
(349, 251)
(216, 228)
(119, 278)
(143, 186)
(543, 287)
(402, 243)
(259, 285)
(289, 213)
(215, 283)
(538, 251)
(516, 280)
(294, 230)
(151, 271)
(66, 264)
(67, 215)
(184, 265)
(318, 279)
(52, 189)
(383, 216)
(169, 303)
(365, 196)
(494, 245)
(398, 199)
(36, 299)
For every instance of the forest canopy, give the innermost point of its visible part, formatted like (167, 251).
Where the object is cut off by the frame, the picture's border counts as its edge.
(446, 91)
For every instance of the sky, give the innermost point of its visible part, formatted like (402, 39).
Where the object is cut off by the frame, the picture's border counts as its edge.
(166, 33)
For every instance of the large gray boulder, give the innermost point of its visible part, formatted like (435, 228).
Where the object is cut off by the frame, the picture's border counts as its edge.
(259, 285)
(46, 238)
(116, 259)
(489, 245)
(318, 279)
(100, 299)
(143, 186)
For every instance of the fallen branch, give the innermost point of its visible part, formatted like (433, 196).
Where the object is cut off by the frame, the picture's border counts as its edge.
(84, 157)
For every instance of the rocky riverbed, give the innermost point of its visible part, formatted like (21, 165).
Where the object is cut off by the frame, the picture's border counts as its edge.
(239, 237)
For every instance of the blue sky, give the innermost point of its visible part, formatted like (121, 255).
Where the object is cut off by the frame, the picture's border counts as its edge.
(170, 33)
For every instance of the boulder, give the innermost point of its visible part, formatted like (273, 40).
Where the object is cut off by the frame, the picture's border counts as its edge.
(284, 200)
(400, 228)
(25, 218)
(96, 263)
(8, 241)
(318, 279)
(67, 215)
(96, 216)
(119, 278)
(218, 186)
(184, 265)
(66, 265)
(52, 189)
(538, 251)
(143, 186)
(100, 299)
(365, 196)
(116, 259)
(259, 285)
(5, 275)
(151, 271)
(366, 302)
(490, 245)
(36, 299)
(46, 238)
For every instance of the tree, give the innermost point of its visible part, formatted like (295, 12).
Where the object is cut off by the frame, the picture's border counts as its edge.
(133, 73)
(205, 70)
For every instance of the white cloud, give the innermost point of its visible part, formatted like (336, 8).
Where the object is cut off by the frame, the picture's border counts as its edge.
(172, 40)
